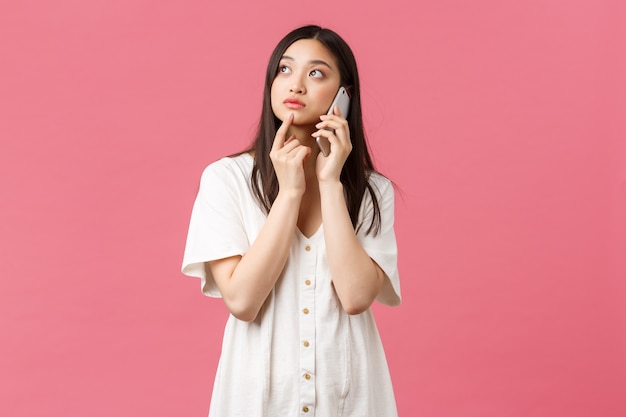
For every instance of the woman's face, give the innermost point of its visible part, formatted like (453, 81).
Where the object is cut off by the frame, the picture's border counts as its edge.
(306, 82)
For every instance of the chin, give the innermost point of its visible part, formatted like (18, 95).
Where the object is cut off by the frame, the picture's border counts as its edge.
(305, 119)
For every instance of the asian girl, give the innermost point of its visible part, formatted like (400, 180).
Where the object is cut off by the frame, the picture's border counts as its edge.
(299, 245)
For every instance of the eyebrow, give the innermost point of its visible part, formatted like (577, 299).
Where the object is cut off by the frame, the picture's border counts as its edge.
(314, 62)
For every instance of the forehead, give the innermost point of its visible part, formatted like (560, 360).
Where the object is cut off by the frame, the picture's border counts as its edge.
(307, 50)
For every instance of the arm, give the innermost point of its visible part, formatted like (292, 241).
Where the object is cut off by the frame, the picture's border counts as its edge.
(245, 282)
(356, 277)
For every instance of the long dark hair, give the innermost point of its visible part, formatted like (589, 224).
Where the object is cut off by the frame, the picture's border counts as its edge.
(357, 168)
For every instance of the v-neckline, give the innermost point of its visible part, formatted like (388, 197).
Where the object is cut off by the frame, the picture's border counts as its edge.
(313, 236)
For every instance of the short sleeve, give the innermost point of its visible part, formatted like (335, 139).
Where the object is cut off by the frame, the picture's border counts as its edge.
(216, 228)
(382, 247)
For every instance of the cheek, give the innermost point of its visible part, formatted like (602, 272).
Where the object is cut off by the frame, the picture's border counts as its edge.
(275, 99)
(273, 93)
(327, 97)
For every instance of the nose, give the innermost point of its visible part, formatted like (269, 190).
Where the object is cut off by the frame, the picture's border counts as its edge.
(297, 87)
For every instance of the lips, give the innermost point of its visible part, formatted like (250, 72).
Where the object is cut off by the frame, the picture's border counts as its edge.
(292, 103)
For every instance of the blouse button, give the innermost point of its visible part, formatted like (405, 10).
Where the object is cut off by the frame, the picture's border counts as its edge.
(307, 282)
(307, 376)
(306, 344)
(307, 248)
(305, 311)
(305, 409)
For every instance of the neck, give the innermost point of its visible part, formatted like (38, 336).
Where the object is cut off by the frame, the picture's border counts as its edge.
(303, 134)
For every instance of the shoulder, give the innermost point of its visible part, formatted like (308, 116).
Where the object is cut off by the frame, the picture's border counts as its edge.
(380, 184)
(228, 169)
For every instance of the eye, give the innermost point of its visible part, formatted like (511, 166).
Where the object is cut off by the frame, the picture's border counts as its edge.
(316, 73)
(284, 69)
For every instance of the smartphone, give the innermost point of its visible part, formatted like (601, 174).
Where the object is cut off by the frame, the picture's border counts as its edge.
(343, 101)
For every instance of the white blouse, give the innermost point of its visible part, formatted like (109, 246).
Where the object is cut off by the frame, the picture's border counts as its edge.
(302, 355)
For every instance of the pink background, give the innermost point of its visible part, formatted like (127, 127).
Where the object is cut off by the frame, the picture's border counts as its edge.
(503, 124)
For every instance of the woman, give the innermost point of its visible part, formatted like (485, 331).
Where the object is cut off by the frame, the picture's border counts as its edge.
(299, 245)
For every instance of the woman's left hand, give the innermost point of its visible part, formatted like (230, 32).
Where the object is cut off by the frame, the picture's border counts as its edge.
(328, 168)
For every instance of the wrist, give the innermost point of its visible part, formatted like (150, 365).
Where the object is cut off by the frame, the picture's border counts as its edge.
(330, 186)
(293, 196)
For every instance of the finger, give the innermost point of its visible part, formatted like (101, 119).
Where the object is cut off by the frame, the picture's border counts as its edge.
(329, 125)
(327, 133)
(337, 127)
(302, 153)
(279, 139)
(332, 122)
(290, 145)
(291, 138)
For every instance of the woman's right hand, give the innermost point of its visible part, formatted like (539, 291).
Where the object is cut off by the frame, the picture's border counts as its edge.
(288, 159)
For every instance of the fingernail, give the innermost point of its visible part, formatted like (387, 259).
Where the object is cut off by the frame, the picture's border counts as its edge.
(318, 125)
